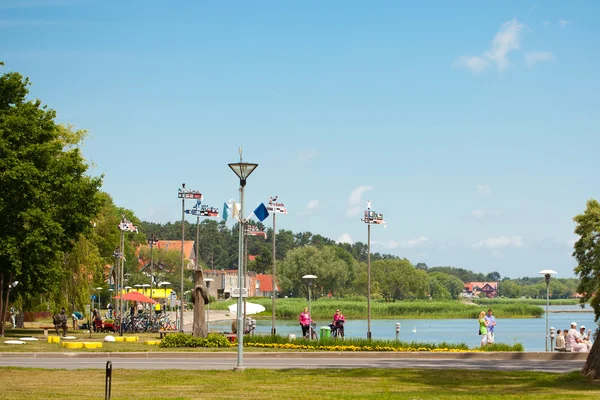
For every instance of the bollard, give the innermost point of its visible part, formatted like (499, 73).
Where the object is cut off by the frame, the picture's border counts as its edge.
(552, 336)
(397, 330)
(108, 381)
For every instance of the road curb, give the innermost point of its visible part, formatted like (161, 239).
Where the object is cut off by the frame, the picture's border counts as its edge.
(524, 356)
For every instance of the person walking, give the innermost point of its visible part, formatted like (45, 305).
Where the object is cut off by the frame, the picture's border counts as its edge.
(305, 322)
(490, 323)
(13, 314)
(482, 328)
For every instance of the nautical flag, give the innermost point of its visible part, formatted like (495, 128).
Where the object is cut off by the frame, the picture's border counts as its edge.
(261, 212)
(236, 210)
(226, 212)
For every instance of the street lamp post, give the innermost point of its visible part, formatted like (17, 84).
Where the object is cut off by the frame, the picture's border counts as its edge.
(152, 241)
(243, 171)
(11, 285)
(99, 289)
(183, 194)
(371, 217)
(309, 281)
(207, 282)
(547, 273)
(274, 208)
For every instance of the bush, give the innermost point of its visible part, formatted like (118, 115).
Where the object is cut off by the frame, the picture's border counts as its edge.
(184, 340)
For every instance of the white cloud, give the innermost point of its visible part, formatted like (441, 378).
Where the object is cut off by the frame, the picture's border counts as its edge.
(355, 200)
(311, 207)
(475, 63)
(483, 190)
(507, 40)
(478, 213)
(499, 242)
(405, 244)
(305, 155)
(421, 240)
(533, 7)
(344, 238)
(563, 23)
(533, 57)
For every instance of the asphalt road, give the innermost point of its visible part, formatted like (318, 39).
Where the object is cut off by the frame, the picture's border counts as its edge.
(292, 362)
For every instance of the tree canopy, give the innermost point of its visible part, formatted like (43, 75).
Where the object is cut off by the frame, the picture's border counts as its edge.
(47, 199)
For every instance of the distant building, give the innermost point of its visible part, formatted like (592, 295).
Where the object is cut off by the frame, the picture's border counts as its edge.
(225, 280)
(472, 289)
(264, 285)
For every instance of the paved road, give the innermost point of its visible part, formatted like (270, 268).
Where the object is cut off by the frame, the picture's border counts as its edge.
(283, 362)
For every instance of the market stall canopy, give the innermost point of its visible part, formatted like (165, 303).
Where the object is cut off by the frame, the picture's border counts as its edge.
(136, 296)
(251, 308)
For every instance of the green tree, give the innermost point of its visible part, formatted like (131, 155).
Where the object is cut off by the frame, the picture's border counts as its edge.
(331, 271)
(46, 198)
(587, 254)
(453, 285)
(508, 288)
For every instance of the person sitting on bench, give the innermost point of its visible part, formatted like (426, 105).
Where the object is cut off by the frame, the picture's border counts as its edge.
(60, 322)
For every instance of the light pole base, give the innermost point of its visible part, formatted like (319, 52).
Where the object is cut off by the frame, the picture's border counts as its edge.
(369, 335)
(239, 369)
(273, 332)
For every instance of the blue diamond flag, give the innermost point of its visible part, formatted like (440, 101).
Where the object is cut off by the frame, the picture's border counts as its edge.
(261, 212)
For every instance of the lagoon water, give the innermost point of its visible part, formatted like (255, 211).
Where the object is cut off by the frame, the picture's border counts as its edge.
(528, 331)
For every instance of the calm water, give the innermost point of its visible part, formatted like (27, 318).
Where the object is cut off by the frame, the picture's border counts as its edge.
(529, 331)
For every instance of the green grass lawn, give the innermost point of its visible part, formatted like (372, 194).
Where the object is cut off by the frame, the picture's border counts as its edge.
(31, 384)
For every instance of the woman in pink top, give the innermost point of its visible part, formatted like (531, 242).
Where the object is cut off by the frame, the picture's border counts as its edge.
(305, 321)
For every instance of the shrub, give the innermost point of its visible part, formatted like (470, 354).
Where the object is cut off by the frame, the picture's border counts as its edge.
(185, 340)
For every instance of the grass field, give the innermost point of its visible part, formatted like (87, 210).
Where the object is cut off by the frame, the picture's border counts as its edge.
(33, 384)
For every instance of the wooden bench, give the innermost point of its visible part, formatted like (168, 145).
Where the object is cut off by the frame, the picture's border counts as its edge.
(165, 332)
(45, 328)
(562, 349)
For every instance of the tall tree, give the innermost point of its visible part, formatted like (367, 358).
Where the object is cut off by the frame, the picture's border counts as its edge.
(46, 198)
(587, 254)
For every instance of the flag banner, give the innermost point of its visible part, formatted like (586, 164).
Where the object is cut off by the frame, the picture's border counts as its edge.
(371, 217)
(253, 230)
(206, 211)
(189, 194)
(128, 226)
(226, 212)
(261, 212)
(278, 208)
(236, 210)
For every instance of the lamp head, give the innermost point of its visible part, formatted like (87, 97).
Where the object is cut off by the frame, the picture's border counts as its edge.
(547, 273)
(309, 279)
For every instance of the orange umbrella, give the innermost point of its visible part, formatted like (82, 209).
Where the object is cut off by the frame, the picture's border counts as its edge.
(136, 296)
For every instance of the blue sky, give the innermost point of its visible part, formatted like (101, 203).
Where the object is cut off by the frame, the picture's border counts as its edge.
(471, 125)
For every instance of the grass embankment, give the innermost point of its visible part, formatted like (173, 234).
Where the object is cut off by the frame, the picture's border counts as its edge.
(537, 302)
(33, 384)
(324, 308)
(353, 344)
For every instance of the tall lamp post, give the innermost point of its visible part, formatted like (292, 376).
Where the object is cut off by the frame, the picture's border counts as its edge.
(183, 194)
(207, 282)
(309, 281)
(274, 208)
(371, 217)
(243, 171)
(152, 241)
(547, 273)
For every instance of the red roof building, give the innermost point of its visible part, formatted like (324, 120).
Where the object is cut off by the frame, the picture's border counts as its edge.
(475, 288)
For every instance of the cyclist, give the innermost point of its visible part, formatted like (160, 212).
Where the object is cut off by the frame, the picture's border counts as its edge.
(338, 323)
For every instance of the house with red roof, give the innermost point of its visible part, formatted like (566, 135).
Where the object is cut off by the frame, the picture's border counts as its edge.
(475, 288)
(264, 285)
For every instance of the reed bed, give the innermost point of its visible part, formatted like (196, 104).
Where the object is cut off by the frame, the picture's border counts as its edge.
(357, 309)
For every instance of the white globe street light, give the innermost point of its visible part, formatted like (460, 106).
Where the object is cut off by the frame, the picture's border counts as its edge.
(547, 273)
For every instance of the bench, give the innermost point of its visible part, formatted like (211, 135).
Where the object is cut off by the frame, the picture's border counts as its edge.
(562, 349)
(165, 332)
(45, 328)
